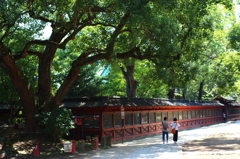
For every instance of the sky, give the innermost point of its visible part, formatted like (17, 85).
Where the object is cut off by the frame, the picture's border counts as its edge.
(47, 31)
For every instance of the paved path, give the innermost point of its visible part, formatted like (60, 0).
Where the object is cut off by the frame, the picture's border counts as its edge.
(152, 147)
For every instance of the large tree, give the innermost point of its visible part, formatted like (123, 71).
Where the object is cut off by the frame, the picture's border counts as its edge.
(98, 26)
(216, 67)
(172, 42)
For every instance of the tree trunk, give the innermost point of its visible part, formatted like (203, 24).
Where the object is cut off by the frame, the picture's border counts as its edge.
(200, 91)
(184, 93)
(21, 84)
(171, 93)
(44, 74)
(131, 83)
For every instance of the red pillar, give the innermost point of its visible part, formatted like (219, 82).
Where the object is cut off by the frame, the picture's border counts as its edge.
(36, 150)
(73, 146)
(96, 143)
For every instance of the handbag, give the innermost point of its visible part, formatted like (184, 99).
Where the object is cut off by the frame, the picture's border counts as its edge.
(173, 131)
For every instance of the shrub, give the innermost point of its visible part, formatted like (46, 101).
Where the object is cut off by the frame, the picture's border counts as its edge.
(56, 123)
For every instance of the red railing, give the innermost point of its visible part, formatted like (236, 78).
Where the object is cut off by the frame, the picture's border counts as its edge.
(126, 132)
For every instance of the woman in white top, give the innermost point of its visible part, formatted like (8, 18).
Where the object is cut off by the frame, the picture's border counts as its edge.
(175, 126)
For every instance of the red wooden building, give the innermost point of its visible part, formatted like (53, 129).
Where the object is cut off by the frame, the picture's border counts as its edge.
(142, 116)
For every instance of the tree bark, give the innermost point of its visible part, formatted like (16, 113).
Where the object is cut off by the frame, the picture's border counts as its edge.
(171, 93)
(184, 93)
(44, 73)
(131, 83)
(200, 91)
(21, 84)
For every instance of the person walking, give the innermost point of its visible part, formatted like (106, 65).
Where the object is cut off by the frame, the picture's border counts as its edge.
(165, 126)
(224, 117)
(175, 126)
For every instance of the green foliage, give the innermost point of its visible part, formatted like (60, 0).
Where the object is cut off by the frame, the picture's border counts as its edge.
(18, 120)
(8, 93)
(234, 37)
(56, 123)
(229, 72)
(88, 82)
(24, 28)
(149, 84)
(88, 77)
(114, 84)
(205, 58)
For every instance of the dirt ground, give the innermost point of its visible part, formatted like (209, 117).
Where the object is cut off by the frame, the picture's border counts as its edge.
(217, 146)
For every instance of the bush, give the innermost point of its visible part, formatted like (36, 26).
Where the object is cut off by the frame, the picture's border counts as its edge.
(56, 123)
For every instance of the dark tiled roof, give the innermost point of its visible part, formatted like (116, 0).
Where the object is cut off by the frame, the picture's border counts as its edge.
(123, 101)
(236, 104)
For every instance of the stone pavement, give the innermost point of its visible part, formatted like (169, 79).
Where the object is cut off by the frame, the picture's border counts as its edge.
(152, 147)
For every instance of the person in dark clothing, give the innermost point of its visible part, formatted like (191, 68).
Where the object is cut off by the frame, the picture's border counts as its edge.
(224, 117)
